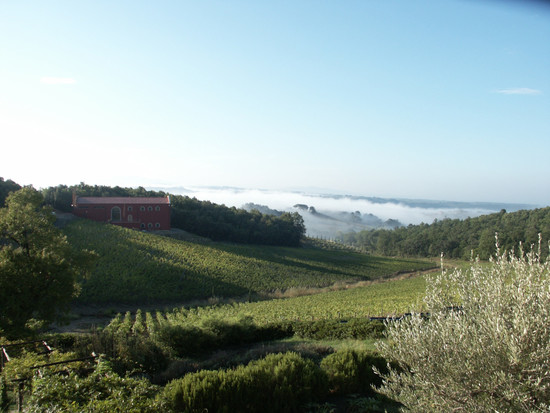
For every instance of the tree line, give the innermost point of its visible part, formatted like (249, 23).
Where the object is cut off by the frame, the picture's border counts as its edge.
(457, 238)
(204, 218)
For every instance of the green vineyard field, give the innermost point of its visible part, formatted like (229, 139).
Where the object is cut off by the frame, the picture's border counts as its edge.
(138, 267)
(340, 314)
(376, 300)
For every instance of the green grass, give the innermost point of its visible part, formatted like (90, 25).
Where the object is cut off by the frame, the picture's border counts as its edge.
(138, 267)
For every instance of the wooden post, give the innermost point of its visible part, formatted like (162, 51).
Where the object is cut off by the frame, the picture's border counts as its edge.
(20, 397)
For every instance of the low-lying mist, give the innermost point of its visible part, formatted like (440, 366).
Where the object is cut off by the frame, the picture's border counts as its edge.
(326, 215)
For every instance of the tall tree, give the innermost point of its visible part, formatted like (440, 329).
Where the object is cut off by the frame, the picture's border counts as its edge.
(38, 268)
(5, 188)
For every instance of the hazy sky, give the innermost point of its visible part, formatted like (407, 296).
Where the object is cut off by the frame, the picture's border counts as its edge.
(445, 99)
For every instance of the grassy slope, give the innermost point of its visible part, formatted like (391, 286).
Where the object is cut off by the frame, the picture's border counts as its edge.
(138, 267)
(379, 299)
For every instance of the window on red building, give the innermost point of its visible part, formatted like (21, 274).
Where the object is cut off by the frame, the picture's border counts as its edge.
(115, 214)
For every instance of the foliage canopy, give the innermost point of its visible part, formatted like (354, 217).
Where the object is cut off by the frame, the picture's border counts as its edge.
(484, 346)
(457, 238)
(101, 391)
(38, 268)
(6, 187)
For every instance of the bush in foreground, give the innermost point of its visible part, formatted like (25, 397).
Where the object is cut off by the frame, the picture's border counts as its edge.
(351, 372)
(484, 346)
(101, 391)
(277, 383)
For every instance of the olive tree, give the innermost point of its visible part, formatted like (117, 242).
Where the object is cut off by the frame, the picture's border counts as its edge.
(38, 267)
(484, 345)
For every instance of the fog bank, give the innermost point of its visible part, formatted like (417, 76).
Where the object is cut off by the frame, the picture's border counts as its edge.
(325, 214)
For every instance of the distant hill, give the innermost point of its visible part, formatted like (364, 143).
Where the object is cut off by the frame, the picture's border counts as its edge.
(328, 224)
(263, 209)
(459, 238)
(435, 204)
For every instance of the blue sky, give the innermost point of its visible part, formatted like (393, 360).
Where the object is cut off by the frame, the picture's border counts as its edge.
(415, 99)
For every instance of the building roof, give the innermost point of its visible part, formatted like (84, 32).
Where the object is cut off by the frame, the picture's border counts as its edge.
(138, 200)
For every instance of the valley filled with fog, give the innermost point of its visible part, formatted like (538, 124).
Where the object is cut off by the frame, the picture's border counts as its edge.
(327, 215)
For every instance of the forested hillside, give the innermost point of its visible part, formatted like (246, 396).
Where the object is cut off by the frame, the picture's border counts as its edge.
(204, 218)
(458, 238)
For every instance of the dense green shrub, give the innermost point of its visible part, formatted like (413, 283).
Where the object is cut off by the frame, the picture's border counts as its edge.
(377, 403)
(4, 398)
(338, 329)
(279, 382)
(6, 187)
(139, 353)
(63, 341)
(185, 340)
(212, 334)
(101, 391)
(147, 344)
(360, 329)
(351, 371)
(274, 331)
(126, 352)
(190, 340)
(490, 354)
(22, 362)
(229, 332)
(39, 268)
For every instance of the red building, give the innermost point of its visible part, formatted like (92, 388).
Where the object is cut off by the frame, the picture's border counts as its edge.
(130, 212)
